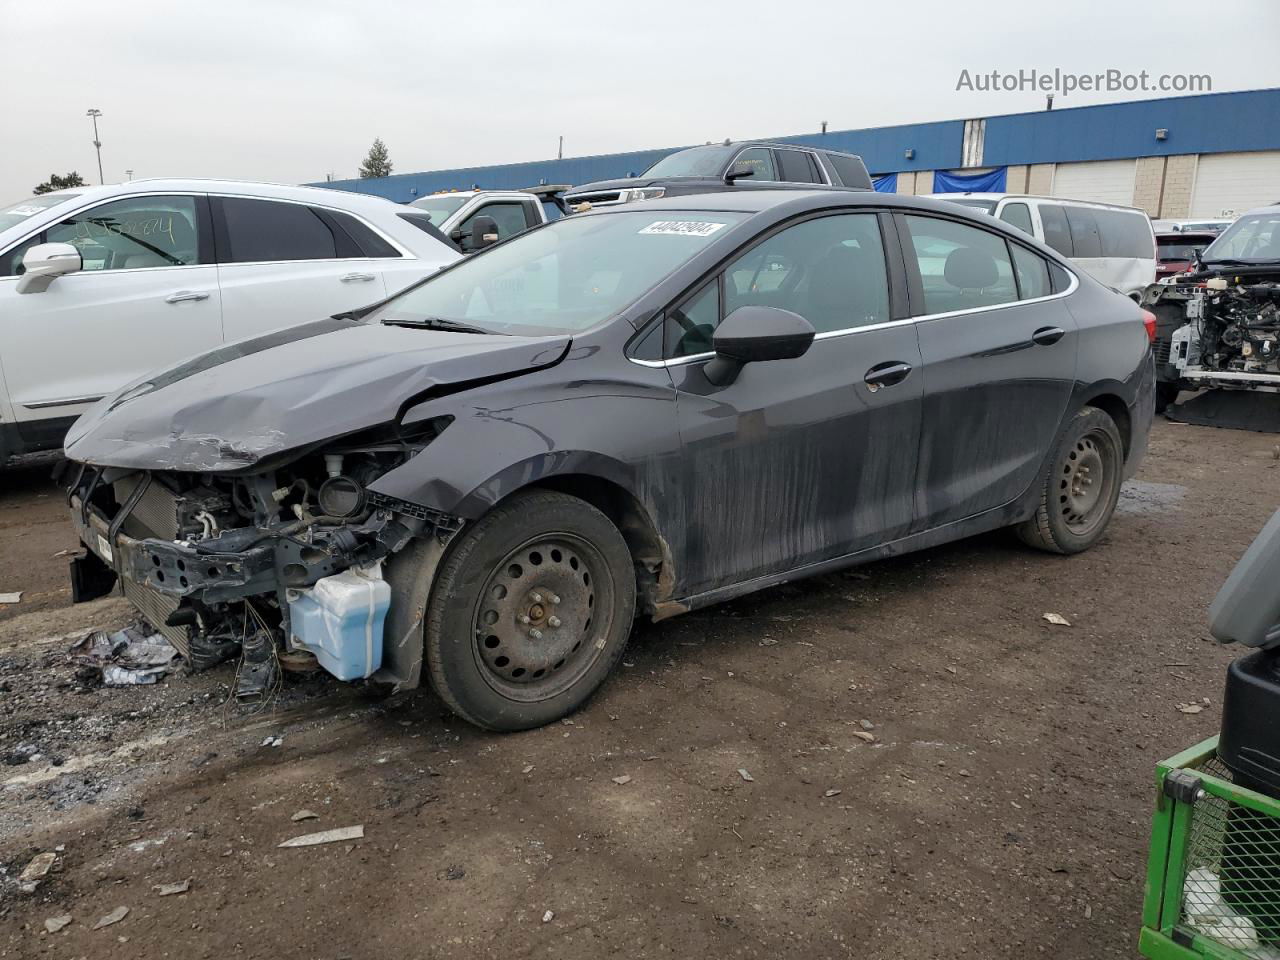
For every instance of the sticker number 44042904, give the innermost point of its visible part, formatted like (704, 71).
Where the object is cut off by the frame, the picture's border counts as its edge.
(683, 228)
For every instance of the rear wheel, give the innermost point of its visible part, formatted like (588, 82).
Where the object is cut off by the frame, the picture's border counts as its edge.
(530, 612)
(1079, 491)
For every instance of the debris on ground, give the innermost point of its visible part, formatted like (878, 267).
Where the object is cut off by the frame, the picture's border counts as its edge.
(125, 658)
(37, 868)
(623, 780)
(1190, 707)
(528, 768)
(1057, 619)
(866, 725)
(273, 741)
(326, 836)
(54, 924)
(864, 736)
(548, 916)
(169, 889)
(11, 597)
(742, 772)
(115, 916)
(832, 793)
(304, 815)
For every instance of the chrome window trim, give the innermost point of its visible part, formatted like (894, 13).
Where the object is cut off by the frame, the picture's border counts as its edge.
(888, 324)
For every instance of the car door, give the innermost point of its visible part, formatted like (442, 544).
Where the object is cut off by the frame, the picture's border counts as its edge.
(282, 263)
(146, 295)
(798, 461)
(999, 352)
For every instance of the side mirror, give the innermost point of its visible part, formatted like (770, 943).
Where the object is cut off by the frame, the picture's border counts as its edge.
(739, 171)
(44, 263)
(484, 232)
(753, 334)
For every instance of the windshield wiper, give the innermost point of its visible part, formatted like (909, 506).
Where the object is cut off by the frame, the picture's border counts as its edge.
(437, 323)
(1234, 262)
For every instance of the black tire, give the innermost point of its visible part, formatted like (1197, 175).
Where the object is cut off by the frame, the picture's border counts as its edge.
(516, 633)
(1072, 514)
(1166, 393)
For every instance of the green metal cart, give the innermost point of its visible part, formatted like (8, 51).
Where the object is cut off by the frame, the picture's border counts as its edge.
(1213, 878)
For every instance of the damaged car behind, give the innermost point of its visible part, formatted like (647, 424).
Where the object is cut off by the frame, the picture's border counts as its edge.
(1218, 328)
(640, 410)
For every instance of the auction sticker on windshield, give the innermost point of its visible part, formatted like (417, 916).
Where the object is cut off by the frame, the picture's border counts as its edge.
(684, 228)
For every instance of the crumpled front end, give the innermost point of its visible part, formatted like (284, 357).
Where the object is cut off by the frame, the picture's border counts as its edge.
(278, 564)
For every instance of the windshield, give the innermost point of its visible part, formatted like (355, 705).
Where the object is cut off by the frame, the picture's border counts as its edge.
(562, 278)
(439, 208)
(1253, 238)
(695, 162)
(986, 206)
(15, 213)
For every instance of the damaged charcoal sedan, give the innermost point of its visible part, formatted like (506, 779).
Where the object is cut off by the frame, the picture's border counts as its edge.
(484, 480)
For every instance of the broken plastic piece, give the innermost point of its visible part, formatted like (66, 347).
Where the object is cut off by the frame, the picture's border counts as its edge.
(326, 836)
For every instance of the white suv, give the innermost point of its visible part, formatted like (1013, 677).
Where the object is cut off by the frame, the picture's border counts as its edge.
(98, 285)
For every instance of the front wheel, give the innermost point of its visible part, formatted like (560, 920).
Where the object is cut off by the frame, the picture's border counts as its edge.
(530, 611)
(1079, 491)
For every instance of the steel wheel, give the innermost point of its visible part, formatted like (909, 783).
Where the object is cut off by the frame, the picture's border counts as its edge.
(542, 616)
(1080, 485)
(1087, 476)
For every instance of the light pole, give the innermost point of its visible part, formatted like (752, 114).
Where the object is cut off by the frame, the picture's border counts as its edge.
(97, 144)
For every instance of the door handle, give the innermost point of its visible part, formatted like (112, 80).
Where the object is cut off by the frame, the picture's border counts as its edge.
(355, 277)
(886, 374)
(1048, 335)
(182, 296)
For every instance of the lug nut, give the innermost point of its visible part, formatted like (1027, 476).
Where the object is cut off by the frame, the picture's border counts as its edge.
(555, 599)
(535, 633)
(554, 621)
(524, 618)
(537, 598)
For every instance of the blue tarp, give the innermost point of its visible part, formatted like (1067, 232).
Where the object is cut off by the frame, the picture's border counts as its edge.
(886, 184)
(993, 182)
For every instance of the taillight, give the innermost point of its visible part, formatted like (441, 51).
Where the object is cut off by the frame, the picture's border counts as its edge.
(1149, 321)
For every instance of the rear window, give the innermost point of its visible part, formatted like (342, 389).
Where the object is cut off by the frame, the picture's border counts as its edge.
(1178, 248)
(1086, 243)
(1056, 232)
(368, 242)
(1125, 234)
(851, 171)
(427, 225)
(267, 231)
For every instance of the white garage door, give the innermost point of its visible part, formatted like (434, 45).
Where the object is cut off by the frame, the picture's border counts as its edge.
(1228, 184)
(1104, 181)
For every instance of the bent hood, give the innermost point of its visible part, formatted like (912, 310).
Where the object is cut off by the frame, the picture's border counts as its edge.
(232, 407)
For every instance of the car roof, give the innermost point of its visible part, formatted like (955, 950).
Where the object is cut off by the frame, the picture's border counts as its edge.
(251, 188)
(758, 201)
(1035, 196)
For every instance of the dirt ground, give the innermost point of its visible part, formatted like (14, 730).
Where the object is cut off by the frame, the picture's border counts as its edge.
(1001, 808)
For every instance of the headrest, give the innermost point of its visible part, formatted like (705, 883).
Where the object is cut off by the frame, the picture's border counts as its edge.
(970, 269)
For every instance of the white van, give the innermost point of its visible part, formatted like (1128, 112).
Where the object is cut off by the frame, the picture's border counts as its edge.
(1113, 244)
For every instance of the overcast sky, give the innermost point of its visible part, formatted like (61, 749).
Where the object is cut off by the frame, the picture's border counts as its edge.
(292, 91)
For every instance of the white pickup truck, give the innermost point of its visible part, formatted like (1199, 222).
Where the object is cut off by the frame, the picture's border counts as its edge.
(512, 212)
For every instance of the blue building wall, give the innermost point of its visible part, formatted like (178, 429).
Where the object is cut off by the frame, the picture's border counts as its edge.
(1207, 123)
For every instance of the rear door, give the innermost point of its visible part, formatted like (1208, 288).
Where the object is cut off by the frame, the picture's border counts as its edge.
(999, 351)
(146, 296)
(799, 461)
(282, 263)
